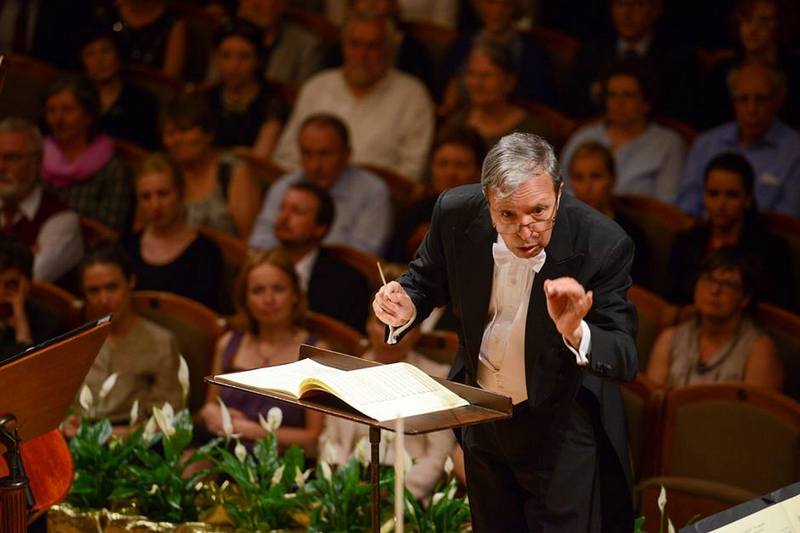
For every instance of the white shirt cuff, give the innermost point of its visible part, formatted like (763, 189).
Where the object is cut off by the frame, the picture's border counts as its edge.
(395, 332)
(582, 353)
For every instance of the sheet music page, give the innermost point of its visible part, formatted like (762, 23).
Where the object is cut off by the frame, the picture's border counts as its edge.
(783, 517)
(284, 378)
(389, 391)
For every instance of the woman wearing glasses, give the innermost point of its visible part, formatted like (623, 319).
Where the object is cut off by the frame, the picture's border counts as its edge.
(721, 343)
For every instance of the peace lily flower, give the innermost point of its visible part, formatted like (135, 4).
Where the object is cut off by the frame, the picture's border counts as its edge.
(149, 429)
(328, 452)
(240, 451)
(448, 466)
(135, 412)
(227, 422)
(153, 489)
(183, 378)
(86, 399)
(107, 385)
(300, 478)
(670, 527)
(326, 471)
(169, 412)
(164, 424)
(662, 499)
(263, 423)
(451, 493)
(276, 477)
(362, 451)
(437, 498)
(274, 419)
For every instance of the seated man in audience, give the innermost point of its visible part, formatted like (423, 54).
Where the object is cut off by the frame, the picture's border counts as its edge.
(389, 113)
(771, 146)
(23, 320)
(144, 355)
(722, 342)
(363, 209)
(332, 287)
(37, 217)
(637, 37)
(649, 157)
(428, 452)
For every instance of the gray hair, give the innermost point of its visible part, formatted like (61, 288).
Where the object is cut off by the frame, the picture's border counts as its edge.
(392, 36)
(514, 159)
(21, 125)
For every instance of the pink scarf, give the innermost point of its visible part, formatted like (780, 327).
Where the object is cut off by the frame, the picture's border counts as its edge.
(59, 171)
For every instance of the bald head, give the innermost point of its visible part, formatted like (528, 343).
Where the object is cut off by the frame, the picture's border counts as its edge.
(757, 93)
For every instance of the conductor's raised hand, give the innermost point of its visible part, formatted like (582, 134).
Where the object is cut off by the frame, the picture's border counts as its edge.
(392, 305)
(567, 303)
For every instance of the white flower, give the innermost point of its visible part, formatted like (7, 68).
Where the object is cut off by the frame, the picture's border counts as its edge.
(329, 454)
(437, 498)
(183, 377)
(276, 477)
(86, 399)
(326, 471)
(198, 486)
(149, 429)
(163, 422)
(452, 492)
(670, 527)
(227, 423)
(409, 507)
(299, 478)
(169, 412)
(240, 451)
(448, 466)
(263, 423)
(362, 451)
(106, 387)
(135, 412)
(153, 489)
(662, 499)
(274, 419)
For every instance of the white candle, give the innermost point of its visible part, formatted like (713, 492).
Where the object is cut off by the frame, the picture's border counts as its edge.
(399, 473)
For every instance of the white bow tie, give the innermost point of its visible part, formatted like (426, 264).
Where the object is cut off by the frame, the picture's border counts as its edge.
(503, 256)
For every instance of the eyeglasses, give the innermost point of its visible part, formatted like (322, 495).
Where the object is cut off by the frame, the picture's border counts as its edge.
(537, 226)
(728, 285)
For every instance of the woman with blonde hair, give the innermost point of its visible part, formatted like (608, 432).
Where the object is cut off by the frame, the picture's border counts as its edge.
(269, 329)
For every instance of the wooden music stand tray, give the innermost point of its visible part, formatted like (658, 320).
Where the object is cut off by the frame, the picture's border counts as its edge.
(484, 407)
(38, 387)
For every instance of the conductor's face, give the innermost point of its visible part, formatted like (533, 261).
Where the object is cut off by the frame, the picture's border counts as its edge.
(525, 218)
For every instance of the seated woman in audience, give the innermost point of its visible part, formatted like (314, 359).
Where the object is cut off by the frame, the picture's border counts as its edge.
(649, 156)
(271, 310)
(144, 355)
(764, 33)
(246, 112)
(428, 451)
(722, 343)
(169, 255)
(456, 160)
(490, 77)
(592, 178)
(79, 164)
(221, 192)
(732, 221)
(151, 34)
(126, 111)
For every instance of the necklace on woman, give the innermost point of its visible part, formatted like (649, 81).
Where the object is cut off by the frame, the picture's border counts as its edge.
(701, 367)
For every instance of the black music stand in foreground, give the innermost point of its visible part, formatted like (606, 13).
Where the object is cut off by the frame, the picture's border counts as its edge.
(38, 386)
(484, 407)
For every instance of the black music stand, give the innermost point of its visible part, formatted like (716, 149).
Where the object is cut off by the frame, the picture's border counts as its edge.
(483, 407)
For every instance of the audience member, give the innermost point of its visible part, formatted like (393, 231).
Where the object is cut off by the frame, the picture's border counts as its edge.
(490, 77)
(428, 451)
(334, 288)
(363, 209)
(530, 61)
(293, 53)
(221, 192)
(49, 228)
(247, 113)
(144, 355)
(763, 31)
(443, 13)
(771, 147)
(722, 343)
(649, 157)
(592, 176)
(271, 310)
(79, 164)
(410, 55)
(150, 33)
(168, 254)
(676, 70)
(389, 113)
(126, 111)
(731, 220)
(23, 320)
(456, 159)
